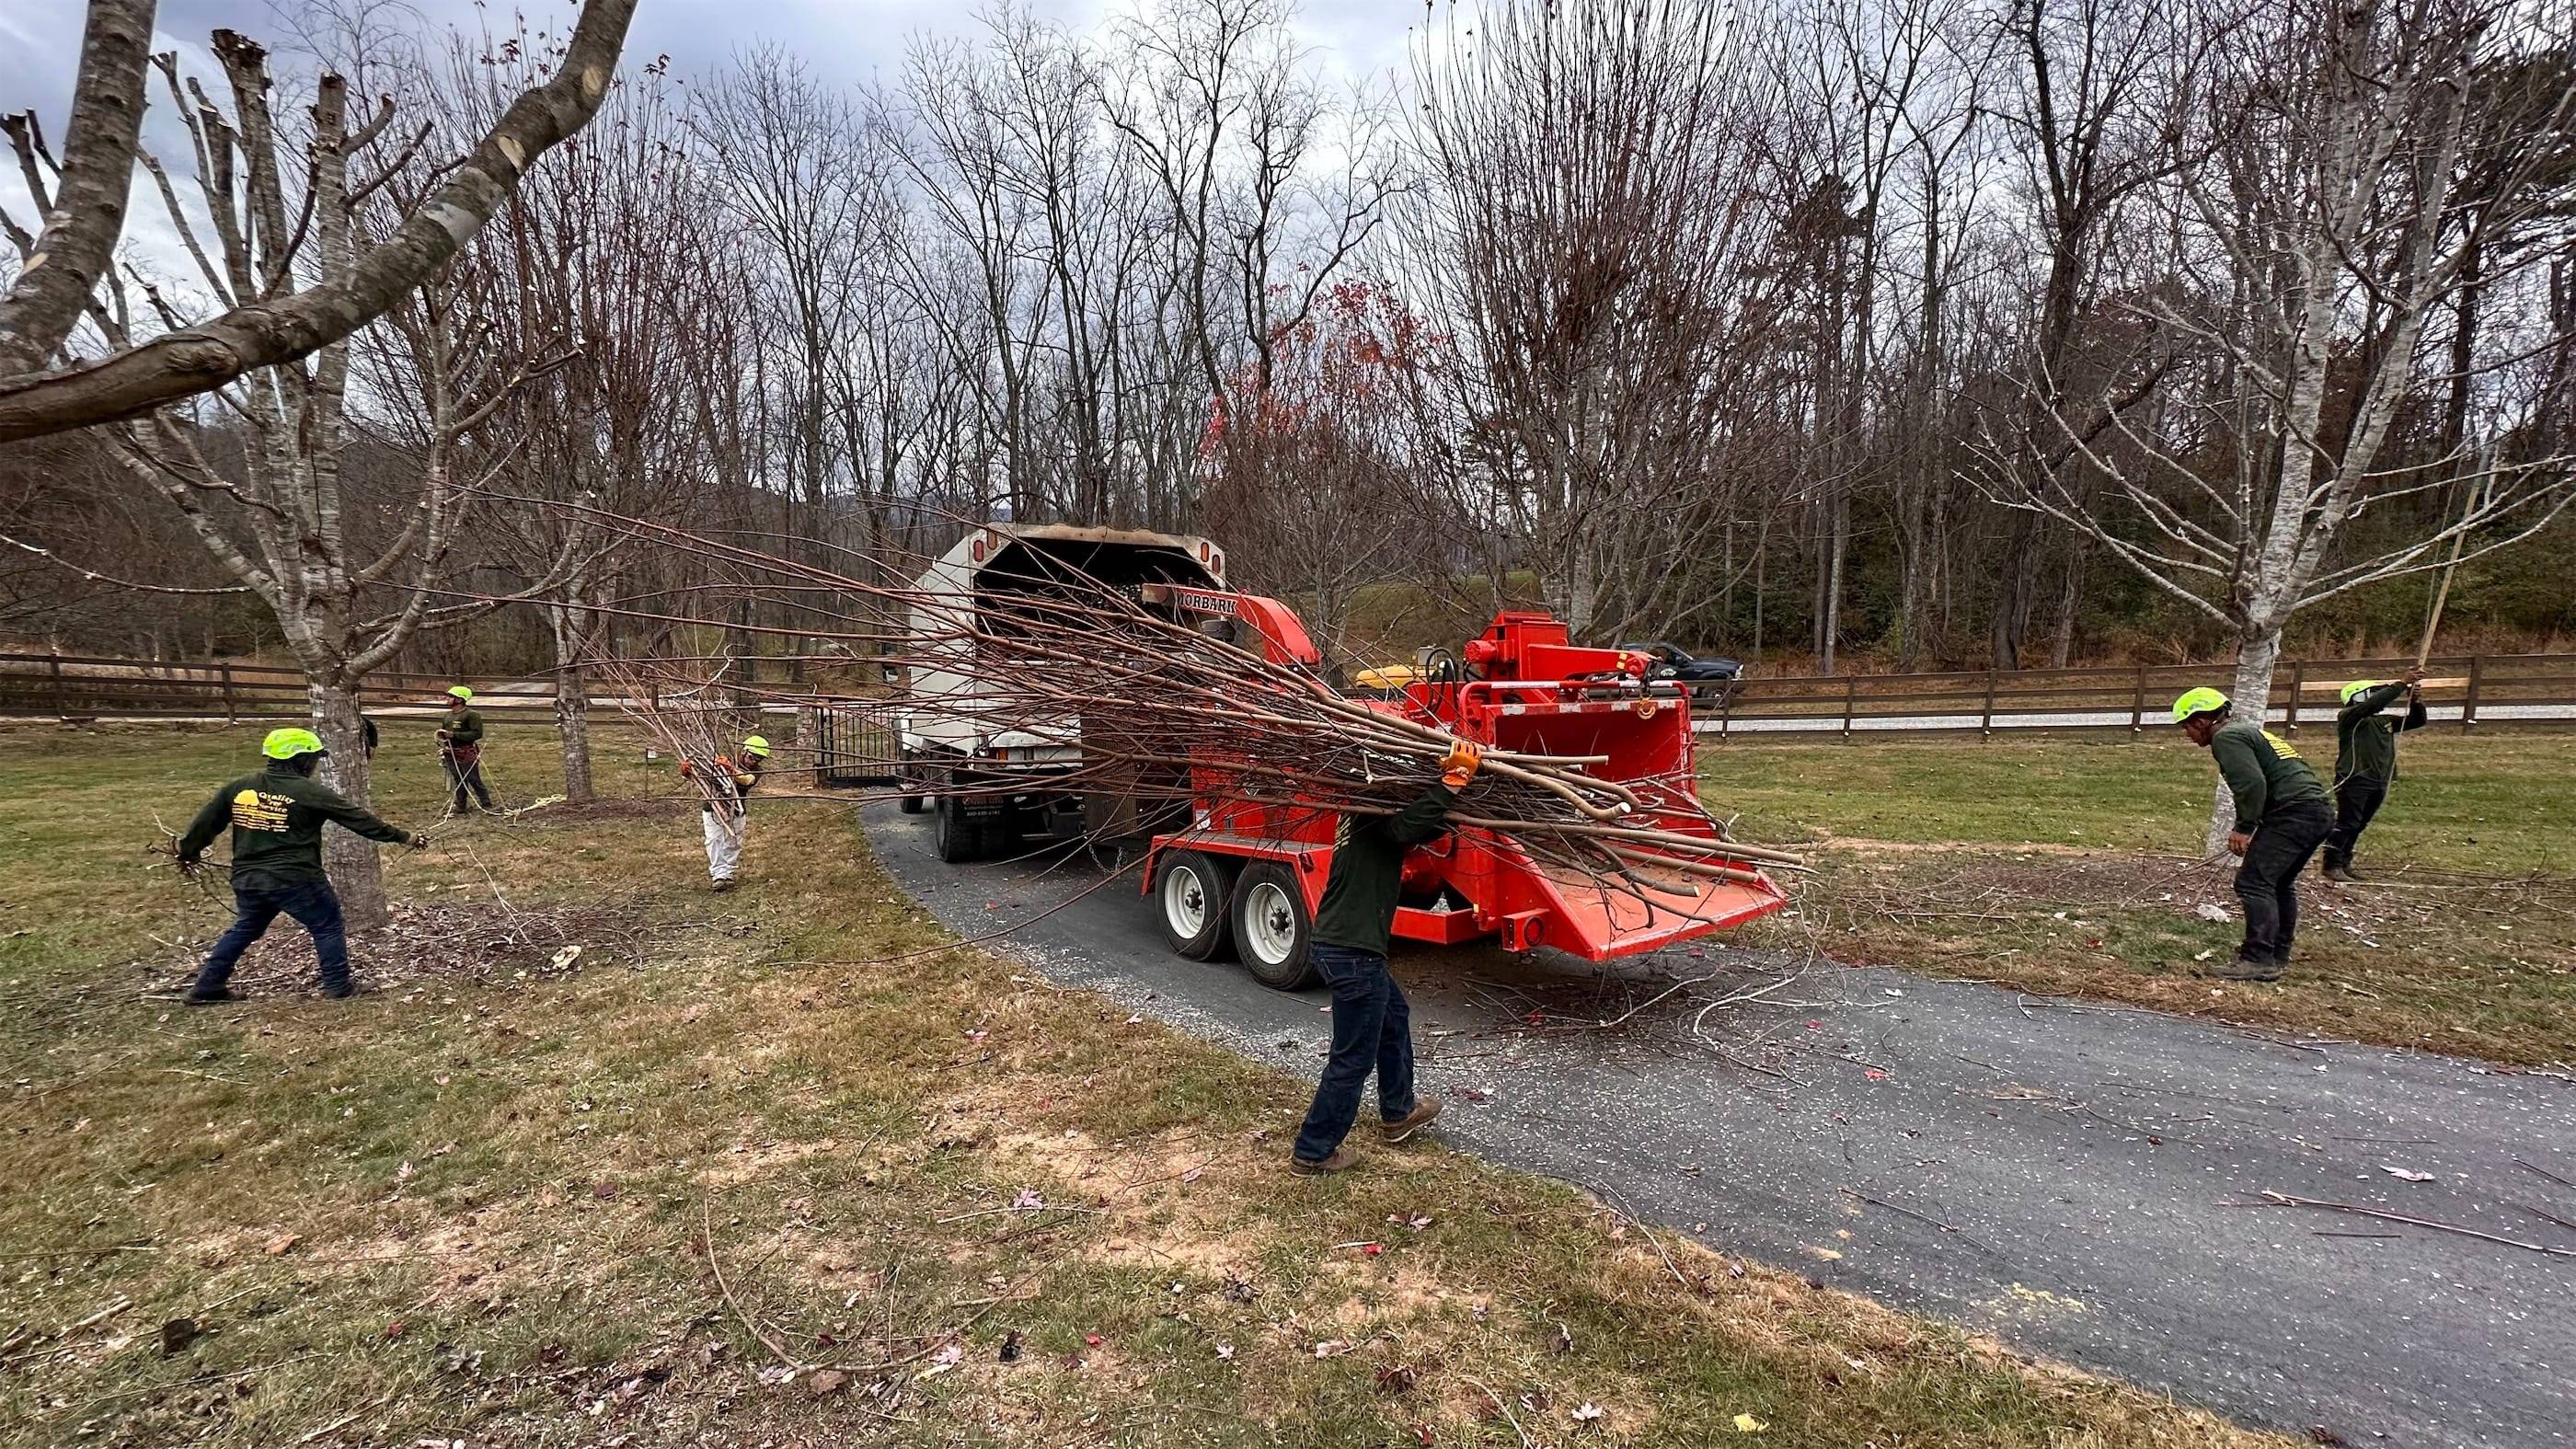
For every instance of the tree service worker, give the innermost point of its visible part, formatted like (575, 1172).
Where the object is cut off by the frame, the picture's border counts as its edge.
(2366, 759)
(724, 816)
(2281, 819)
(1372, 1022)
(276, 818)
(460, 750)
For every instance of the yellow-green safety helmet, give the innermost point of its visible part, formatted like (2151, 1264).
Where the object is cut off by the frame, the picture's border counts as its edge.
(459, 693)
(2197, 701)
(287, 743)
(2357, 686)
(756, 745)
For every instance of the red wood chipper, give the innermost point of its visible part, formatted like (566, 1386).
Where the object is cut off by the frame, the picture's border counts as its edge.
(1247, 876)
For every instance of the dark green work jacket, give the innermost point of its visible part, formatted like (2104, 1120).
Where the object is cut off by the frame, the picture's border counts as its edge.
(276, 818)
(2366, 739)
(2261, 771)
(1358, 909)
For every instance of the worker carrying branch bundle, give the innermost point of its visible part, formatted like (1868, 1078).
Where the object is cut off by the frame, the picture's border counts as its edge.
(276, 817)
(723, 815)
(2281, 819)
(1372, 1022)
(2366, 759)
(460, 751)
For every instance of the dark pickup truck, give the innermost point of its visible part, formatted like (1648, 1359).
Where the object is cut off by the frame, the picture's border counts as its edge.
(1708, 679)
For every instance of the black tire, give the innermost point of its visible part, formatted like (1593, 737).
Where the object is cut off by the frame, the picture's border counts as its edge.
(955, 835)
(1192, 893)
(909, 779)
(1271, 927)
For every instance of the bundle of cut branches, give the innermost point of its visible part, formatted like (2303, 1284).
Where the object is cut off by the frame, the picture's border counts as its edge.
(1103, 690)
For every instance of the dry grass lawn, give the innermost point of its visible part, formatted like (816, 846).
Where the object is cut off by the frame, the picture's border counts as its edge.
(781, 1167)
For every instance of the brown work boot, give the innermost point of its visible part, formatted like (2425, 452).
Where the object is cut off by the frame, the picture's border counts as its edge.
(1342, 1160)
(2244, 968)
(720, 887)
(1414, 1121)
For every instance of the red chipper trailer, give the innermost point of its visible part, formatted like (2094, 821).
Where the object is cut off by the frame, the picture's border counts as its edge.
(1246, 877)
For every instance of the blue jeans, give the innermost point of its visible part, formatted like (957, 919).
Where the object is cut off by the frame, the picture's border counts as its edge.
(1372, 1031)
(312, 906)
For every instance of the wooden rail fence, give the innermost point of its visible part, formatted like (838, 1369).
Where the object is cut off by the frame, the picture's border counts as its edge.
(2462, 689)
(2466, 690)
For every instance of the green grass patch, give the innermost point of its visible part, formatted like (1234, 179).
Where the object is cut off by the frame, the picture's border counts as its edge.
(2068, 867)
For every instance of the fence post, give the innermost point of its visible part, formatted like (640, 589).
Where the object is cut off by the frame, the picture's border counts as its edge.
(2477, 676)
(232, 712)
(1851, 694)
(2298, 691)
(1986, 721)
(2138, 704)
(62, 700)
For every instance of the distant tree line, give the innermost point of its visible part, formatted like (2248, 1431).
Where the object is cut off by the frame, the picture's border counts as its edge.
(1954, 332)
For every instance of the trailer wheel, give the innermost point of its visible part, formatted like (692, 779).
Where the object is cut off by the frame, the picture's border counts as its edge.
(909, 778)
(1191, 890)
(1271, 926)
(957, 837)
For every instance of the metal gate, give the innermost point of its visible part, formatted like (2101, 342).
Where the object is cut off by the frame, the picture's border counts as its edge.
(851, 745)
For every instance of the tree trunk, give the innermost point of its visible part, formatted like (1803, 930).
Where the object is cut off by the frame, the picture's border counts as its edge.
(2258, 658)
(356, 871)
(2070, 598)
(2004, 642)
(572, 705)
(1829, 625)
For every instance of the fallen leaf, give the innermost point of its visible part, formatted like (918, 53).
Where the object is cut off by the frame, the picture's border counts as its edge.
(823, 1383)
(282, 1242)
(2405, 1174)
(1027, 1201)
(1091, 1339)
(949, 1354)
(1225, 1351)
(1587, 1413)
(1747, 1424)
(1331, 1346)
(1137, 1019)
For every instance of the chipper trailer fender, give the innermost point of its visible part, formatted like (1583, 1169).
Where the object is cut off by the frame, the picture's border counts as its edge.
(1245, 878)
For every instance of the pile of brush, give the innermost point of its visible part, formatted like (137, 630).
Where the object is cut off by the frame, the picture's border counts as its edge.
(1161, 713)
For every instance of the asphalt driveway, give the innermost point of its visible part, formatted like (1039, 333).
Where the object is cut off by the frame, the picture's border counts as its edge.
(2062, 1176)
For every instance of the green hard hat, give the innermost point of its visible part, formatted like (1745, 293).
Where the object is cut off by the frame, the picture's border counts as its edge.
(459, 693)
(2197, 701)
(287, 743)
(756, 745)
(2356, 687)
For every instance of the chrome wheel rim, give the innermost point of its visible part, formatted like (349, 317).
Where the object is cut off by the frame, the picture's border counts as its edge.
(1185, 902)
(1270, 923)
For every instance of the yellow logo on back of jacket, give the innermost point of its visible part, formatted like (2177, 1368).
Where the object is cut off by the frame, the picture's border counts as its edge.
(254, 810)
(2280, 746)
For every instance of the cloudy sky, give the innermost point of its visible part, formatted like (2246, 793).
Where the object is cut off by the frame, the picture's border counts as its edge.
(846, 39)
(40, 39)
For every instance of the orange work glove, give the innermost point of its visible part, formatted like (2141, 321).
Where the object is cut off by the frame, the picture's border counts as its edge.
(687, 769)
(1461, 764)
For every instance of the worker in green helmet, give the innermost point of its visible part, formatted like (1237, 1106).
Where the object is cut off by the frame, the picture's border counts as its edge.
(2281, 819)
(722, 812)
(2366, 759)
(460, 752)
(276, 818)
